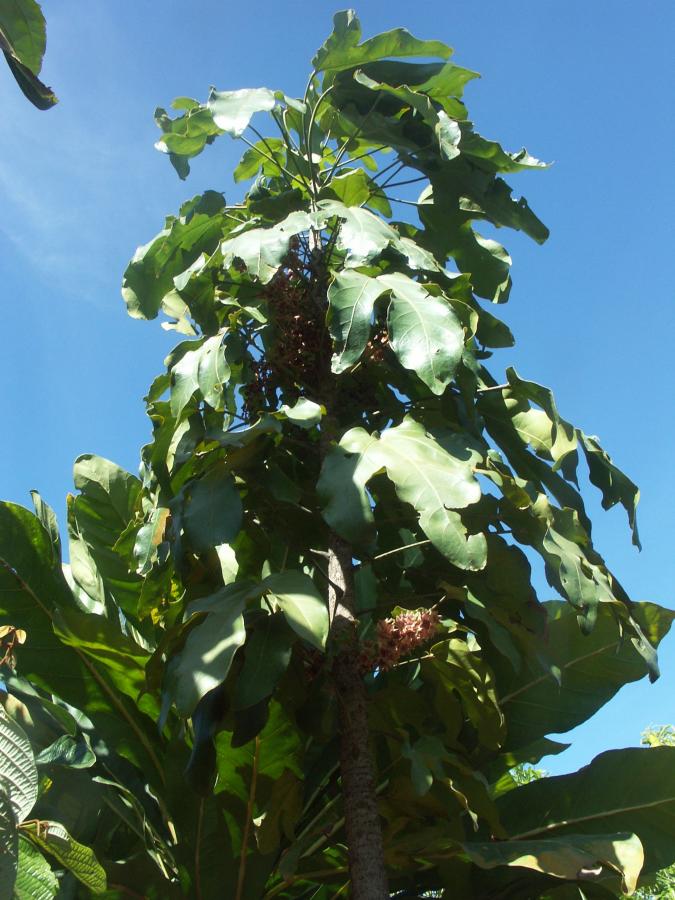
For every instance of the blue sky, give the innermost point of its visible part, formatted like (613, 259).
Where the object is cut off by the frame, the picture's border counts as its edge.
(587, 85)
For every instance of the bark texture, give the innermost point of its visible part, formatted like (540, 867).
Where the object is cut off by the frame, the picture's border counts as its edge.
(362, 821)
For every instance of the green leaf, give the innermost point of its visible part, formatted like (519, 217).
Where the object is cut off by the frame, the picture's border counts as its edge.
(351, 297)
(570, 857)
(615, 486)
(363, 235)
(149, 277)
(212, 513)
(233, 110)
(266, 656)
(343, 51)
(302, 604)
(53, 838)
(205, 660)
(588, 802)
(592, 667)
(341, 487)
(202, 367)
(23, 40)
(9, 845)
(435, 484)
(262, 250)
(47, 516)
(457, 665)
(66, 751)
(35, 879)
(257, 158)
(18, 774)
(98, 516)
(23, 28)
(425, 333)
(304, 413)
(148, 539)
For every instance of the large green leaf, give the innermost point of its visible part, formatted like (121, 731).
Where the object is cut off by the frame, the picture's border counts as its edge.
(98, 516)
(266, 657)
(23, 40)
(424, 331)
(35, 879)
(201, 367)
(351, 297)
(149, 277)
(262, 250)
(571, 857)
(213, 511)
(436, 484)
(18, 773)
(343, 51)
(53, 838)
(341, 487)
(615, 486)
(302, 604)
(620, 791)
(205, 660)
(590, 670)
(33, 594)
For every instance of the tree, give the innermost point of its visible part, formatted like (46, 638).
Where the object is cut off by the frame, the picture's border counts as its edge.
(23, 38)
(304, 644)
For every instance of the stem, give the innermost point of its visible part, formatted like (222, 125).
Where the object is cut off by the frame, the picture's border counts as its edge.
(198, 840)
(289, 178)
(401, 549)
(247, 825)
(362, 821)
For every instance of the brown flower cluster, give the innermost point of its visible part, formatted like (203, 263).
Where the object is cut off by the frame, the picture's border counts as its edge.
(398, 637)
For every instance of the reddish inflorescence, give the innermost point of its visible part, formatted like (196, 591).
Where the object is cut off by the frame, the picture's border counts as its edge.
(398, 637)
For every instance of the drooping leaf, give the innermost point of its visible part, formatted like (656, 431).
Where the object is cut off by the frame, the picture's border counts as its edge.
(351, 297)
(341, 487)
(23, 40)
(212, 513)
(435, 484)
(424, 332)
(205, 660)
(267, 654)
(98, 516)
(615, 486)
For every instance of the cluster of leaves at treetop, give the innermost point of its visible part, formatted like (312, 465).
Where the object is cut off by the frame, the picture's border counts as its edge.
(334, 379)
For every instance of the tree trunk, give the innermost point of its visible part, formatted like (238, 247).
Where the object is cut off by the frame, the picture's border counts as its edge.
(362, 822)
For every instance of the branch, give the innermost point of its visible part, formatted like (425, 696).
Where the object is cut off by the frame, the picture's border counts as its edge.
(247, 826)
